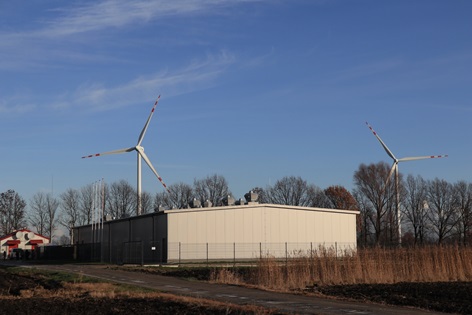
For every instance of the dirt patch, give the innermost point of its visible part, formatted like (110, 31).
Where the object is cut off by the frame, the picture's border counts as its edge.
(108, 306)
(35, 294)
(448, 297)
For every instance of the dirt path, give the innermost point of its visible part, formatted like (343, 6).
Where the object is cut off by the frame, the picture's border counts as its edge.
(286, 303)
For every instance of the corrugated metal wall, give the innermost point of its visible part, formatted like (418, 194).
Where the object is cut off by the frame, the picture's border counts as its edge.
(241, 231)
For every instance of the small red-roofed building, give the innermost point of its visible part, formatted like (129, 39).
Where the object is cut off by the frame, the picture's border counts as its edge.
(22, 239)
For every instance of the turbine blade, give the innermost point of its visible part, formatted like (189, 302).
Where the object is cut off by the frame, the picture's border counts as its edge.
(413, 158)
(110, 152)
(392, 170)
(381, 142)
(143, 132)
(148, 162)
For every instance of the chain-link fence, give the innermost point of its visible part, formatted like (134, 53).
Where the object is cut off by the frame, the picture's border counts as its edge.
(139, 252)
(183, 252)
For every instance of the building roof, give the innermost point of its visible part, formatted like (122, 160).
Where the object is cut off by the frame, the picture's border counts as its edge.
(23, 232)
(262, 205)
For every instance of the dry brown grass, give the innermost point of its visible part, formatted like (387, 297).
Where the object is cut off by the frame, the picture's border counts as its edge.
(371, 266)
(110, 291)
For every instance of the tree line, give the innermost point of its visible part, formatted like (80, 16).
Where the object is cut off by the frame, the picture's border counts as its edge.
(432, 210)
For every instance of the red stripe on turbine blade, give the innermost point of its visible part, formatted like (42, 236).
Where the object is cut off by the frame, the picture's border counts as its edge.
(98, 154)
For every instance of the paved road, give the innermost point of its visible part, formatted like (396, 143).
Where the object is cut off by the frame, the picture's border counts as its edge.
(285, 303)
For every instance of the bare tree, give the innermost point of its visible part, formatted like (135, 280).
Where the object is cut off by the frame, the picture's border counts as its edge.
(86, 203)
(146, 203)
(365, 219)
(43, 216)
(37, 215)
(415, 209)
(52, 204)
(291, 190)
(317, 197)
(213, 188)
(463, 204)
(441, 212)
(178, 196)
(121, 200)
(70, 215)
(12, 211)
(377, 197)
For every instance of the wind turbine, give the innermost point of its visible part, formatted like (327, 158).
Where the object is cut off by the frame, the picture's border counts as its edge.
(140, 153)
(395, 169)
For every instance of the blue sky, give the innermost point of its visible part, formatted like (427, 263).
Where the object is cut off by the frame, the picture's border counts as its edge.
(251, 90)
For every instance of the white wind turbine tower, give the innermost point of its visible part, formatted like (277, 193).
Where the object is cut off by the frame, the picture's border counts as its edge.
(395, 169)
(140, 153)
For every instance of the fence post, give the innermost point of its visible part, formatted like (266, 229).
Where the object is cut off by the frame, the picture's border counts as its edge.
(234, 254)
(260, 250)
(336, 248)
(311, 260)
(286, 254)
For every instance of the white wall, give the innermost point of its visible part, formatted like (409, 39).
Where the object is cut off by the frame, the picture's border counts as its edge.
(246, 231)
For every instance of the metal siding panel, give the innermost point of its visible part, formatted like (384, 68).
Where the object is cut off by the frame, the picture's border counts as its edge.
(230, 226)
(330, 230)
(184, 232)
(239, 226)
(220, 226)
(284, 231)
(343, 232)
(190, 220)
(258, 230)
(251, 225)
(271, 215)
(162, 230)
(180, 221)
(309, 226)
(141, 229)
(172, 228)
(319, 227)
(293, 226)
(210, 232)
(201, 225)
(326, 229)
(301, 227)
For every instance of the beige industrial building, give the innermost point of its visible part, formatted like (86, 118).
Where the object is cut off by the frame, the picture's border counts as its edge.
(235, 232)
